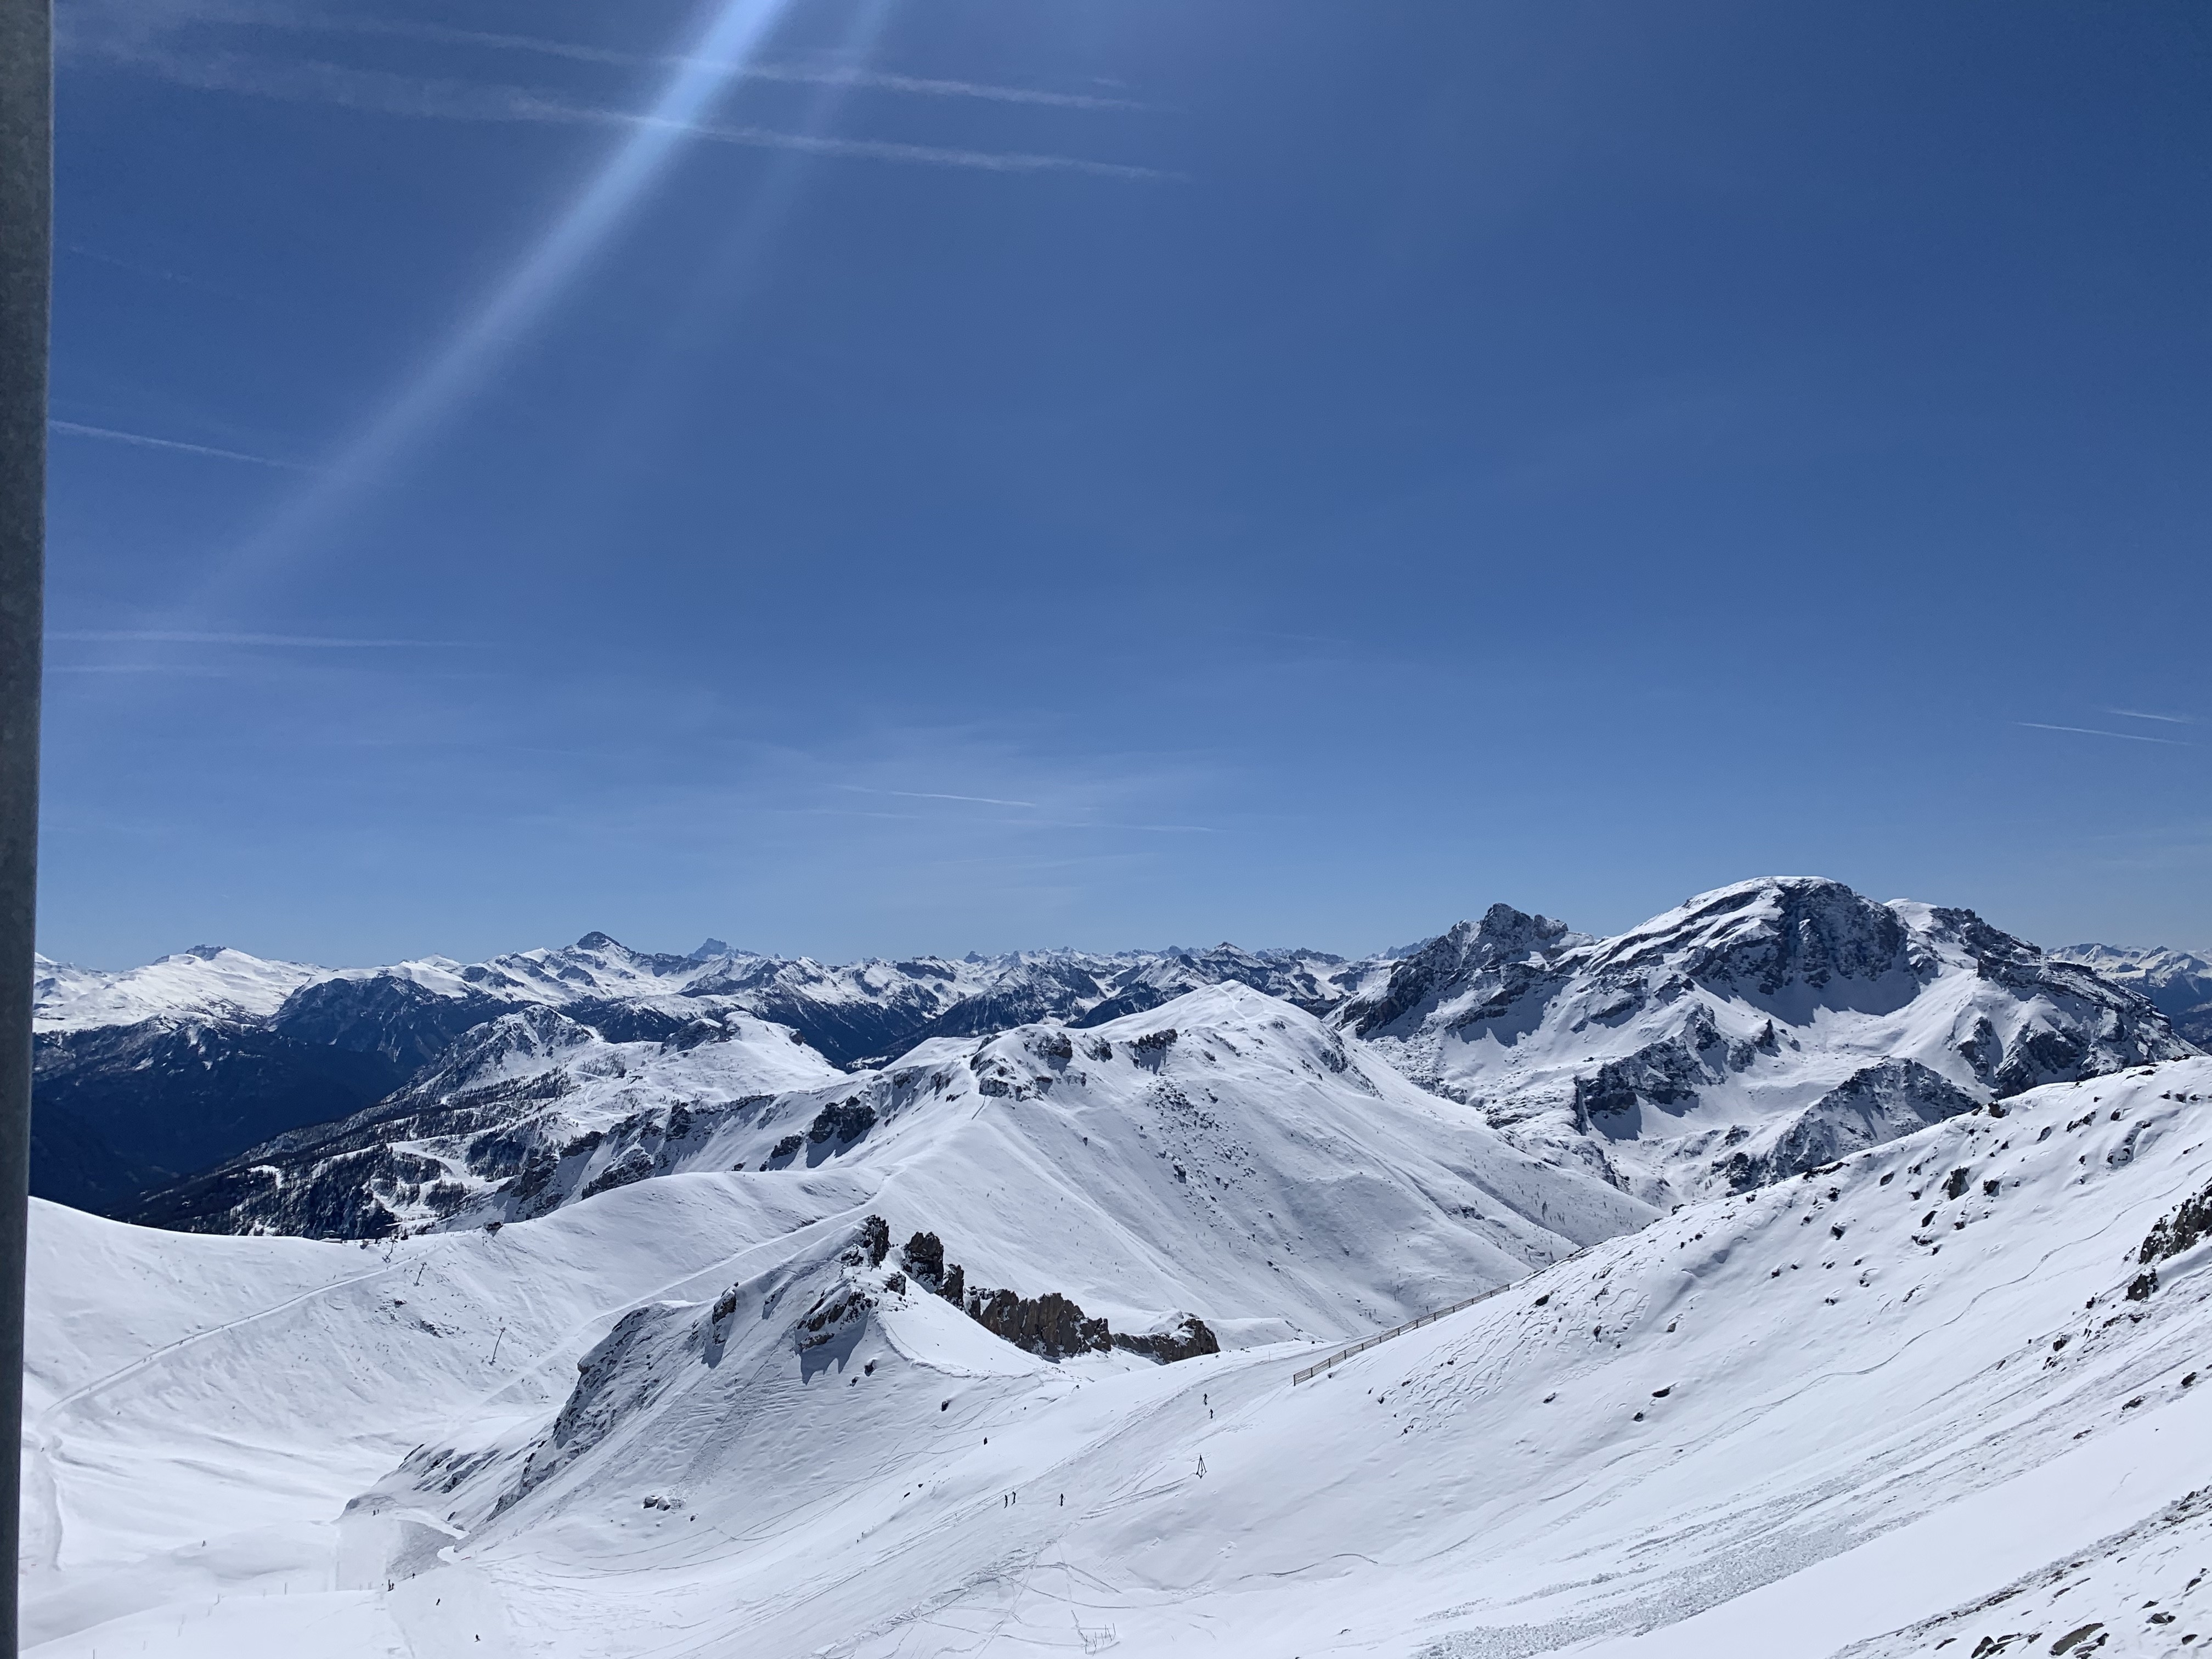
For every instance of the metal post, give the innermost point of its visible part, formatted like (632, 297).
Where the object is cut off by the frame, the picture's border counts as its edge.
(25, 269)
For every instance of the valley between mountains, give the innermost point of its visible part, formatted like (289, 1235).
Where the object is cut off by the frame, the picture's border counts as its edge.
(1834, 1271)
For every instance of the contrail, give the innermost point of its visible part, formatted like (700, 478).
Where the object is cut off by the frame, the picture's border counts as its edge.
(2094, 731)
(77, 429)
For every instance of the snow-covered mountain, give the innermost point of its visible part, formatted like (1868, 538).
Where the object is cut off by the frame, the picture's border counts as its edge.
(207, 980)
(1950, 1391)
(2178, 981)
(1753, 1032)
(154, 1074)
(1226, 1111)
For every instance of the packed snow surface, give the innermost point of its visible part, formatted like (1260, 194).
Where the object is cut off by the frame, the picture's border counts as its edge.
(1931, 1395)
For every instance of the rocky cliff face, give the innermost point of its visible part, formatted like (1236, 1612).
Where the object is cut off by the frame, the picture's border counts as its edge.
(1753, 1032)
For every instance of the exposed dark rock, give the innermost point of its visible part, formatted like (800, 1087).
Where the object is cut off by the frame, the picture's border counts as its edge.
(837, 1309)
(842, 1121)
(1049, 1325)
(924, 1257)
(634, 1165)
(609, 1388)
(1188, 1338)
(2182, 1231)
(1152, 1048)
(1495, 953)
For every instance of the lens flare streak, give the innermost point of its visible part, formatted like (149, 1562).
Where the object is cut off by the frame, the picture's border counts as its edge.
(734, 35)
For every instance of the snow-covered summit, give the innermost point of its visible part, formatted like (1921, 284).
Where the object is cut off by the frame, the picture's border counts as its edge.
(1750, 1032)
(207, 980)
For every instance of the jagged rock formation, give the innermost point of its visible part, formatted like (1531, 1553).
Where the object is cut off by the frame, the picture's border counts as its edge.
(1050, 1325)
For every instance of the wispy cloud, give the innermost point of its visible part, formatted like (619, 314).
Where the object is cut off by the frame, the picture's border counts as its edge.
(2138, 715)
(2094, 731)
(198, 671)
(803, 73)
(77, 430)
(932, 795)
(377, 91)
(1076, 822)
(190, 637)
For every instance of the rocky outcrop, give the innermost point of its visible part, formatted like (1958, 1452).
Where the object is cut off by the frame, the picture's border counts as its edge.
(1761, 936)
(1185, 1337)
(2188, 1226)
(841, 1123)
(1049, 1325)
(923, 1256)
(875, 1239)
(611, 1387)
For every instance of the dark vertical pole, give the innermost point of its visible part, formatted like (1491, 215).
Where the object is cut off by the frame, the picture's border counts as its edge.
(26, 266)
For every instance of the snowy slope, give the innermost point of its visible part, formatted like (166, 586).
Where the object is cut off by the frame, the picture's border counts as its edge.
(207, 980)
(1850, 1409)
(1222, 1155)
(1753, 1032)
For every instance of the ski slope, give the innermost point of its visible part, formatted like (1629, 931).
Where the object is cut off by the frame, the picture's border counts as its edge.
(1840, 1413)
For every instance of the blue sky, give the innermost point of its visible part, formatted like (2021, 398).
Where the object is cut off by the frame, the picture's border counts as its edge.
(866, 476)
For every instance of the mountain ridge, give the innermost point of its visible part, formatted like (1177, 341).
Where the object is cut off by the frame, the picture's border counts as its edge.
(1757, 1029)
